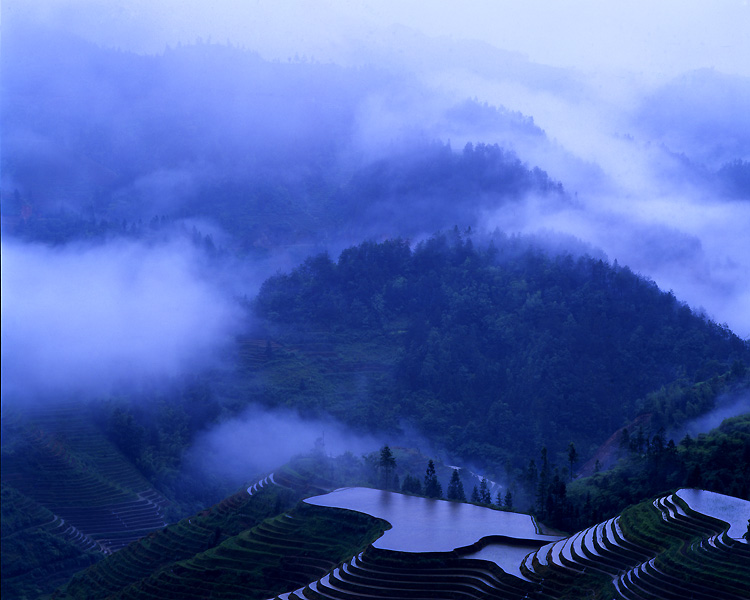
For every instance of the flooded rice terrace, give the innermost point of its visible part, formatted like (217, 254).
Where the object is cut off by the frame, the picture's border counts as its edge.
(506, 556)
(427, 525)
(734, 511)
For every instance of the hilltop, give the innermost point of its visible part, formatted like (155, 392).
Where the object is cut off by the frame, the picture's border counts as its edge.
(492, 350)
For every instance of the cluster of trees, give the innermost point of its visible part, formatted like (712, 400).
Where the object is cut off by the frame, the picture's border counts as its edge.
(63, 226)
(154, 434)
(502, 347)
(269, 165)
(455, 491)
(430, 486)
(390, 194)
(718, 461)
(673, 405)
(432, 186)
(546, 487)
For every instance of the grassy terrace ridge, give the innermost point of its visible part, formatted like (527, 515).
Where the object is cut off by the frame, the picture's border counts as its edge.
(653, 550)
(269, 543)
(155, 557)
(162, 549)
(684, 557)
(26, 527)
(279, 554)
(62, 460)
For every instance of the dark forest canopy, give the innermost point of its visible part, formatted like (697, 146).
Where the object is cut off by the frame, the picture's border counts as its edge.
(422, 189)
(503, 348)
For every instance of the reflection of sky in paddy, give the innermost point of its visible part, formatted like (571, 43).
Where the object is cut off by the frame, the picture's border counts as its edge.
(734, 511)
(425, 525)
(506, 556)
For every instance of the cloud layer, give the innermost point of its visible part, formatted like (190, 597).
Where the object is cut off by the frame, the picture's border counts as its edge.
(261, 440)
(85, 318)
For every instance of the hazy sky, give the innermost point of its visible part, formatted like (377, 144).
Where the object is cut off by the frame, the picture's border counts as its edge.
(654, 38)
(685, 238)
(84, 316)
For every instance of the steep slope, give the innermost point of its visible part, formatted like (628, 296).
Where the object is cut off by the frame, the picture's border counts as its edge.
(253, 544)
(40, 550)
(490, 351)
(271, 166)
(69, 495)
(62, 460)
(683, 544)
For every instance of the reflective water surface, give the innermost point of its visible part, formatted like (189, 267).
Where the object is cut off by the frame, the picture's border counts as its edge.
(734, 511)
(506, 556)
(425, 525)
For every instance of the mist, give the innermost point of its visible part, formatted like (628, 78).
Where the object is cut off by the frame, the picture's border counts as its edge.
(727, 406)
(82, 319)
(638, 138)
(160, 161)
(270, 124)
(262, 439)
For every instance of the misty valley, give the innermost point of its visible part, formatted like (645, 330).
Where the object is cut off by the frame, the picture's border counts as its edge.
(376, 327)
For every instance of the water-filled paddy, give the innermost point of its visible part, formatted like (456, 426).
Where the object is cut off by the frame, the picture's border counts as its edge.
(734, 511)
(506, 556)
(426, 525)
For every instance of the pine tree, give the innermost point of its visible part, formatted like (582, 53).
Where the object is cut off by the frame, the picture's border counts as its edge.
(411, 485)
(542, 489)
(508, 503)
(456, 488)
(572, 458)
(475, 495)
(387, 463)
(484, 492)
(532, 475)
(432, 487)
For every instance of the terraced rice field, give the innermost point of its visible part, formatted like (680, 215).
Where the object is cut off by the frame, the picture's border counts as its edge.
(26, 525)
(427, 525)
(672, 548)
(261, 543)
(68, 466)
(253, 544)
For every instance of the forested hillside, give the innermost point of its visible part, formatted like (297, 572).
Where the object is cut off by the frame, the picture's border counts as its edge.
(218, 261)
(271, 167)
(500, 347)
(718, 460)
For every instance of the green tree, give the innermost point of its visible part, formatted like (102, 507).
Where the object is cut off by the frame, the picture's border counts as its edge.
(432, 487)
(508, 502)
(387, 462)
(484, 492)
(572, 458)
(411, 485)
(456, 488)
(625, 440)
(542, 488)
